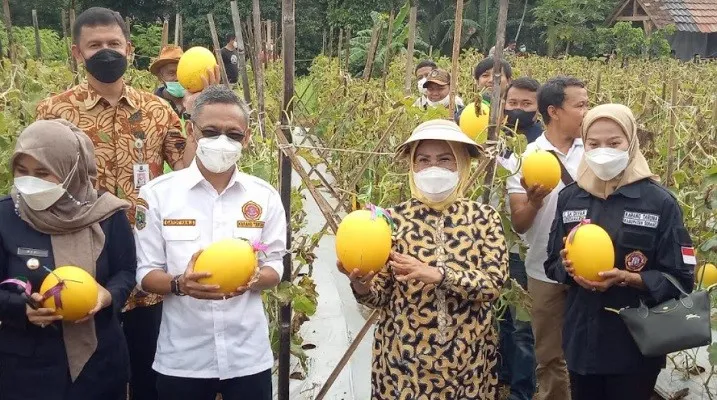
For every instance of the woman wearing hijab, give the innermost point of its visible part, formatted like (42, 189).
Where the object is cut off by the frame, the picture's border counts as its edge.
(435, 338)
(617, 191)
(54, 217)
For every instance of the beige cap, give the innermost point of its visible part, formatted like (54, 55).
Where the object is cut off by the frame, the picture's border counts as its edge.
(439, 76)
(439, 129)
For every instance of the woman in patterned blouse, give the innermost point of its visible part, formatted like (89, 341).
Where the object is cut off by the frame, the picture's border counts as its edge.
(434, 338)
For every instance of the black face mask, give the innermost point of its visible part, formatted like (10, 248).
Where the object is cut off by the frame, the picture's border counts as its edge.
(524, 118)
(107, 65)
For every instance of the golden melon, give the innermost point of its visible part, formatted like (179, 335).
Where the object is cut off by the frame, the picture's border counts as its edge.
(474, 126)
(363, 242)
(707, 275)
(192, 66)
(232, 263)
(71, 291)
(591, 251)
(541, 168)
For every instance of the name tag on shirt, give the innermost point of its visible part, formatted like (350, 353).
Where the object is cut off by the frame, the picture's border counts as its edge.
(24, 251)
(141, 175)
(179, 222)
(645, 220)
(250, 224)
(572, 216)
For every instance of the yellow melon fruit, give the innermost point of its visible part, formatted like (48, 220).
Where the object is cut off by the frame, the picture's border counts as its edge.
(474, 126)
(363, 242)
(707, 275)
(76, 291)
(541, 168)
(232, 263)
(192, 66)
(590, 250)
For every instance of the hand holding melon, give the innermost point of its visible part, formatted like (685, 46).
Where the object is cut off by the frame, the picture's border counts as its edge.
(73, 294)
(363, 241)
(589, 258)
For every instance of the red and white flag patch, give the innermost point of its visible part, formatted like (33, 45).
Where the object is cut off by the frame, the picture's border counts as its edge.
(688, 256)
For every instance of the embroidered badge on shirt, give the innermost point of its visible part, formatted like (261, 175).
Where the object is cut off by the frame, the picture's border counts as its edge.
(251, 211)
(179, 222)
(641, 219)
(688, 256)
(572, 216)
(635, 261)
(140, 218)
(142, 203)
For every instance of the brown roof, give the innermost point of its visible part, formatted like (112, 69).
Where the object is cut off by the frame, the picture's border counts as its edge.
(686, 15)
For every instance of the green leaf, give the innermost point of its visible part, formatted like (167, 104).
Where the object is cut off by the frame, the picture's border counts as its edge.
(712, 350)
(304, 305)
(710, 244)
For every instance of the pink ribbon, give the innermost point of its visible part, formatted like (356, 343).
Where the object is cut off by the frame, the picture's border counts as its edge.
(55, 293)
(25, 286)
(259, 246)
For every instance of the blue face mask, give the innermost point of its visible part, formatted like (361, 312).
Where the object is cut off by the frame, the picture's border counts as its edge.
(175, 89)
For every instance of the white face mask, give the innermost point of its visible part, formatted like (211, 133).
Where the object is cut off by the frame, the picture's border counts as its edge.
(235, 44)
(37, 193)
(606, 162)
(436, 183)
(218, 154)
(444, 102)
(420, 84)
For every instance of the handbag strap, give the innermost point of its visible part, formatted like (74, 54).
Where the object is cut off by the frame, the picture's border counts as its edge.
(564, 174)
(674, 281)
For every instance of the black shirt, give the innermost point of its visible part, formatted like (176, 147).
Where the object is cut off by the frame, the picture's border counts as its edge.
(33, 361)
(231, 64)
(645, 224)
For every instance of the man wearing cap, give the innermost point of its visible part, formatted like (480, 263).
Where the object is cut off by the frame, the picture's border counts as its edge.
(165, 68)
(438, 88)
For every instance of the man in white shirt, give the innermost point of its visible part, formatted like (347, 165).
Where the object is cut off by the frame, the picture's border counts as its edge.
(563, 102)
(210, 342)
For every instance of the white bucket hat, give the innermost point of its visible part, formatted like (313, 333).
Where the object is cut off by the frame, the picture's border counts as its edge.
(439, 129)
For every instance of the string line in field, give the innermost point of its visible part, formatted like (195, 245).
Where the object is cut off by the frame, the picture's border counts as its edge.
(296, 146)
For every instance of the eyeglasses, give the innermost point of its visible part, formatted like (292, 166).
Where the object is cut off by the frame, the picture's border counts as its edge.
(445, 163)
(211, 133)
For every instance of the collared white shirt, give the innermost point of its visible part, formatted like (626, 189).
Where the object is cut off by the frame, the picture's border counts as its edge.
(537, 236)
(183, 213)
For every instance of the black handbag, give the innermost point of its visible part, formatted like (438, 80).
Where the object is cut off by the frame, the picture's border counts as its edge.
(675, 325)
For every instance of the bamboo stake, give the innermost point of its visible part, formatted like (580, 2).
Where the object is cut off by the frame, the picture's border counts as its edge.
(457, 32)
(331, 41)
(340, 46)
(8, 27)
(259, 67)
(430, 51)
(375, 36)
(408, 79)
(66, 39)
(250, 42)
(495, 105)
(35, 25)
(165, 33)
(344, 360)
(387, 52)
(348, 48)
(241, 52)
(714, 115)
(72, 41)
(323, 43)
(176, 29)
(288, 49)
(181, 32)
(269, 54)
(217, 49)
(673, 132)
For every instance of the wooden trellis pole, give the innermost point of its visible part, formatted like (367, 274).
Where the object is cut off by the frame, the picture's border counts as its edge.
(495, 105)
(408, 79)
(181, 32)
(8, 27)
(165, 33)
(375, 37)
(323, 43)
(288, 47)
(348, 48)
(340, 46)
(259, 66)
(241, 64)
(217, 49)
(331, 41)
(671, 138)
(387, 52)
(38, 44)
(176, 29)
(66, 39)
(457, 32)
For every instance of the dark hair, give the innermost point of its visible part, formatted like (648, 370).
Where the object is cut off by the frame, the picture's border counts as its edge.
(487, 63)
(231, 37)
(218, 94)
(98, 16)
(425, 63)
(552, 93)
(526, 83)
(512, 42)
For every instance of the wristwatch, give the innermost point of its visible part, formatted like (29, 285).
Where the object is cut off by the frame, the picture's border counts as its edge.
(174, 286)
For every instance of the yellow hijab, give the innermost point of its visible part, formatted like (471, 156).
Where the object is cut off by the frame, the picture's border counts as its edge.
(463, 161)
(637, 169)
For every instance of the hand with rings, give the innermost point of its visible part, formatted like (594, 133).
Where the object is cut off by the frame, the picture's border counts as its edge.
(41, 317)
